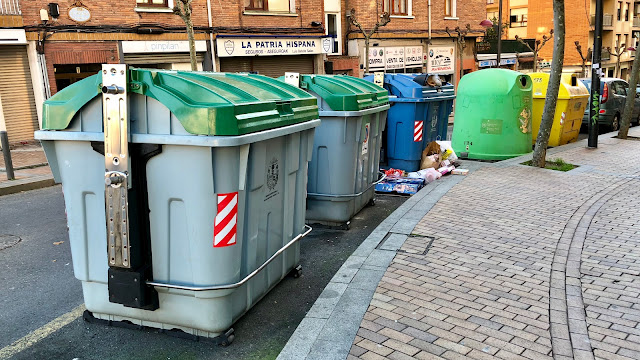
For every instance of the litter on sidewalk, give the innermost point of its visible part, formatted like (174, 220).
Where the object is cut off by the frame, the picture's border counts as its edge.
(438, 159)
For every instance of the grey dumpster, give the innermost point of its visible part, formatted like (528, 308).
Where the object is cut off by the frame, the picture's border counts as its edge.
(185, 208)
(346, 151)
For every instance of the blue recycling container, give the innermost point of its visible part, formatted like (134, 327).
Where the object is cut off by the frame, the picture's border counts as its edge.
(419, 114)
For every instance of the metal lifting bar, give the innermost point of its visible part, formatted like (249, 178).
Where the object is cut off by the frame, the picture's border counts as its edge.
(241, 282)
(116, 161)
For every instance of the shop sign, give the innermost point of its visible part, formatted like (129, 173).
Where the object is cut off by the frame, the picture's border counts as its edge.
(507, 61)
(129, 47)
(440, 60)
(394, 58)
(413, 56)
(487, 63)
(270, 46)
(376, 58)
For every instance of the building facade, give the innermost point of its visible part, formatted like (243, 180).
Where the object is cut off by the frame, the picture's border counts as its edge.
(416, 39)
(621, 28)
(18, 93)
(45, 46)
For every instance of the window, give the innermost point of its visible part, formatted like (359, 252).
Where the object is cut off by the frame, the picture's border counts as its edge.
(333, 30)
(626, 13)
(397, 7)
(619, 11)
(450, 8)
(146, 3)
(518, 18)
(255, 5)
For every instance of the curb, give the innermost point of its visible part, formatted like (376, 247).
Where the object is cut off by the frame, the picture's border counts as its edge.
(330, 326)
(26, 184)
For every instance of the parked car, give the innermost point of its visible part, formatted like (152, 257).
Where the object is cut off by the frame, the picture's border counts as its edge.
(613, 95)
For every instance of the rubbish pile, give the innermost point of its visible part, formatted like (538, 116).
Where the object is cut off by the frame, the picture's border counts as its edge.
(438, 159)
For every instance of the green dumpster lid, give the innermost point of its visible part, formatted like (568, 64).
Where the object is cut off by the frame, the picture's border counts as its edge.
(205, 103)
(345, 93)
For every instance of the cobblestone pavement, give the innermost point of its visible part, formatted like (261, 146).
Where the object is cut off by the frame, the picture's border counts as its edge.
(519, 263)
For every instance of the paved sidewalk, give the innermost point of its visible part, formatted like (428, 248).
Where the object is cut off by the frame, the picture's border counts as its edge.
(30, 169)
(513, 262)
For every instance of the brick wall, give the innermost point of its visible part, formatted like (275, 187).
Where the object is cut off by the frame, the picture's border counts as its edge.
(230, 14)
(97, 52)
(577, 28)
(470, 12)
(106, 12)
(345, 64)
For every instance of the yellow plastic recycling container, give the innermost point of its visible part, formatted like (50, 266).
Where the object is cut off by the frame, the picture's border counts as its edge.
(573, 97)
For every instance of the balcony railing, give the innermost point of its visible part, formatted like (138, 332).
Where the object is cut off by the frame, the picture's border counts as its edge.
(10, 7)
(636, 22)
(607, 20)
(606, 54)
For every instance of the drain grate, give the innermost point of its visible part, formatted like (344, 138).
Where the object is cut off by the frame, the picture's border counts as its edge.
(415, 244)
(7, 241)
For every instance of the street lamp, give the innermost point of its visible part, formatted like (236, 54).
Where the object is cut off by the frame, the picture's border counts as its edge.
(486, 23)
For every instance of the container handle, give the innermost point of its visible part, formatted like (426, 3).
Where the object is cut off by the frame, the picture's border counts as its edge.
(239, 283)
(381, 179)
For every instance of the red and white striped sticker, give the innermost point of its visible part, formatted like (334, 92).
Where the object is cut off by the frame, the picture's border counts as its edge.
(226, 221)
(417, 130)
(563, 117)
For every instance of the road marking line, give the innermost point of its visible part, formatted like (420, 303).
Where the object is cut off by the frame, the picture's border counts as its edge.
(33, 337)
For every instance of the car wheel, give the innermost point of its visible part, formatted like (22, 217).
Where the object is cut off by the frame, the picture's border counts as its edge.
(615, 123)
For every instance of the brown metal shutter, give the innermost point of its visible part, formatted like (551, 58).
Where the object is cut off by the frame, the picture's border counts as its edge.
(273, 66)
(235, 64)
(16, 91)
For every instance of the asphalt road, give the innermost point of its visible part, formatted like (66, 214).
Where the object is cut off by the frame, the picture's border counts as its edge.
(37, 285)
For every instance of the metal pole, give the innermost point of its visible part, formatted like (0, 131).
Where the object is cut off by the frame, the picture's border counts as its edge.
(499, 31)
(596, 69)
(4, 142)
(8, 164)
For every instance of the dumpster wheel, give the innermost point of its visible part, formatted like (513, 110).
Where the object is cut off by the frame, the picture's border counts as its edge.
(227, 338)
(296, 271)
(372, 202)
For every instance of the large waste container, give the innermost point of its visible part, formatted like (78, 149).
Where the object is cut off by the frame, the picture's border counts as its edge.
(493, 115)
(346, 150)
(186, 208)
(419, 113)
(573, 97)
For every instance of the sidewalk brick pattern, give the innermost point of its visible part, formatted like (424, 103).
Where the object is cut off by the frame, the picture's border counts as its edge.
(488, 286)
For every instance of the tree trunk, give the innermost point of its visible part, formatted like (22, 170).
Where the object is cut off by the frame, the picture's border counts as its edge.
(185, 15)
(540, 151)
(535, 61)
(192, 42)
(631, 97)
(460, 56)
(366, 56)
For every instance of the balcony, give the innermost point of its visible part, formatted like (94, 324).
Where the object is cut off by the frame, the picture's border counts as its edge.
(607, 21)
(606, 55)
(636, 21)
(10, 7)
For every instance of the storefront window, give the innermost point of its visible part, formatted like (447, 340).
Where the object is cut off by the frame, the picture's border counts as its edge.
(67, 74)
